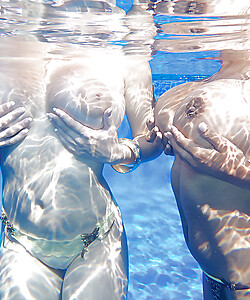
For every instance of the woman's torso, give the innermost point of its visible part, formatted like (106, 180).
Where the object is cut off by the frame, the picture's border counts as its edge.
(47, 191)
(214, 213)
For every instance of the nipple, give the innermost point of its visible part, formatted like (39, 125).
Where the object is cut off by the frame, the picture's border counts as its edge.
(194, 107)
(85, 101)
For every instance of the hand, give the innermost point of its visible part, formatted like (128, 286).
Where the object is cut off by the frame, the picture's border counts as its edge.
(223, 158)
(154, 135)
(12, 131)
(84, 142)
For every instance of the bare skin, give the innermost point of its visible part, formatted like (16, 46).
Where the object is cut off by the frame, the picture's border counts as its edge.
(206, 184)
(40, 205)
(52, 190)
(224, 160)
(12, 134)
(215, 225)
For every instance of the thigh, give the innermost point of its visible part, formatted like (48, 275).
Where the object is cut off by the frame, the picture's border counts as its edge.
(22, 276)
(103, 273)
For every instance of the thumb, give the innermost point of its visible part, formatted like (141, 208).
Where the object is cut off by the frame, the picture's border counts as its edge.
(107, 118)
(217, 141)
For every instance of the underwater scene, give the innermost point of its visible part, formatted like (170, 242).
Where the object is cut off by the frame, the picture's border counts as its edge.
(161, 266)
(79, 80)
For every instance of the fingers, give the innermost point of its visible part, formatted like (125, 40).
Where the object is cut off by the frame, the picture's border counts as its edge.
(12, 133)
(184, 146)
(155, 136)
(217, 141)
(65, 124)
(67, 120)
(151, 136)
(62, 134)
(176, 137)
(107, 118)
(61, 129)
(15, 129)
(65, 140)
(56, 121)
(168, 150)
(158, 140)
(175, 141)
(11, 116)
(150, 123)
(5, 107)
(69, 138)
(15, 139)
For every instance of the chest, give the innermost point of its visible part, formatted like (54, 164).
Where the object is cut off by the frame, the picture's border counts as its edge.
(85, 90)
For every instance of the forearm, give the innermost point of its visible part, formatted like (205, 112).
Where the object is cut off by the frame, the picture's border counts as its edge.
(124, 154)
(149, 150)
(140, 151)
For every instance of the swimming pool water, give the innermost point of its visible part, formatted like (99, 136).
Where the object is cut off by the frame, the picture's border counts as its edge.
(161, 266)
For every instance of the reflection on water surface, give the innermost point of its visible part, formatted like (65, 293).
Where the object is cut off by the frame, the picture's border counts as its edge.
(183, 40)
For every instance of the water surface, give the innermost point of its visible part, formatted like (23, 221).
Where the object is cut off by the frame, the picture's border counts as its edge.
(183, 41)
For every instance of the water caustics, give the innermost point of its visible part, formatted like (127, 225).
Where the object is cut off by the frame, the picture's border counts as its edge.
(43, 45)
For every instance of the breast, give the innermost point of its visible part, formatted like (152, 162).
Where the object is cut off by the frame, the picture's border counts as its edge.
(222, 106)
(82, 95)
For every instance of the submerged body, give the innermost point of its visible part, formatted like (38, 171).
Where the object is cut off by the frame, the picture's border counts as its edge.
(51, 196)
(63, 236)
(214, 212)
(50, 183)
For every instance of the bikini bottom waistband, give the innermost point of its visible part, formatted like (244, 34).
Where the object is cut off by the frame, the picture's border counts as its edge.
(69, 249)
(230, 286)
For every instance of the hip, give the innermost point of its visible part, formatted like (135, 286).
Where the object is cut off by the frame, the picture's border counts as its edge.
(59, 254)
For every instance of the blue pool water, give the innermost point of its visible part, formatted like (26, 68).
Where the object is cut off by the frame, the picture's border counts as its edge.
(161, 266)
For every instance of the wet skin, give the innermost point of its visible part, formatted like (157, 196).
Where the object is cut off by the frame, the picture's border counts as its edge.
(215, 224)
(54, 194)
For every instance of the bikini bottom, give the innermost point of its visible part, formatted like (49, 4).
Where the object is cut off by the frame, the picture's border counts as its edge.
(64, 251)
(217, 286)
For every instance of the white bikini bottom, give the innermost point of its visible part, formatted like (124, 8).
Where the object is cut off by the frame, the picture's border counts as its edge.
(66, 251)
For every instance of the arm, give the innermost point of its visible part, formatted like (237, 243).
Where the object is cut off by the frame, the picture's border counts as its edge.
(100, 145)
(224, 160)
(103, 145)
(139, 108)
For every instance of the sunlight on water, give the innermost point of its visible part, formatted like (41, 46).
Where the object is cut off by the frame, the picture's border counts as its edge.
(41, 41)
